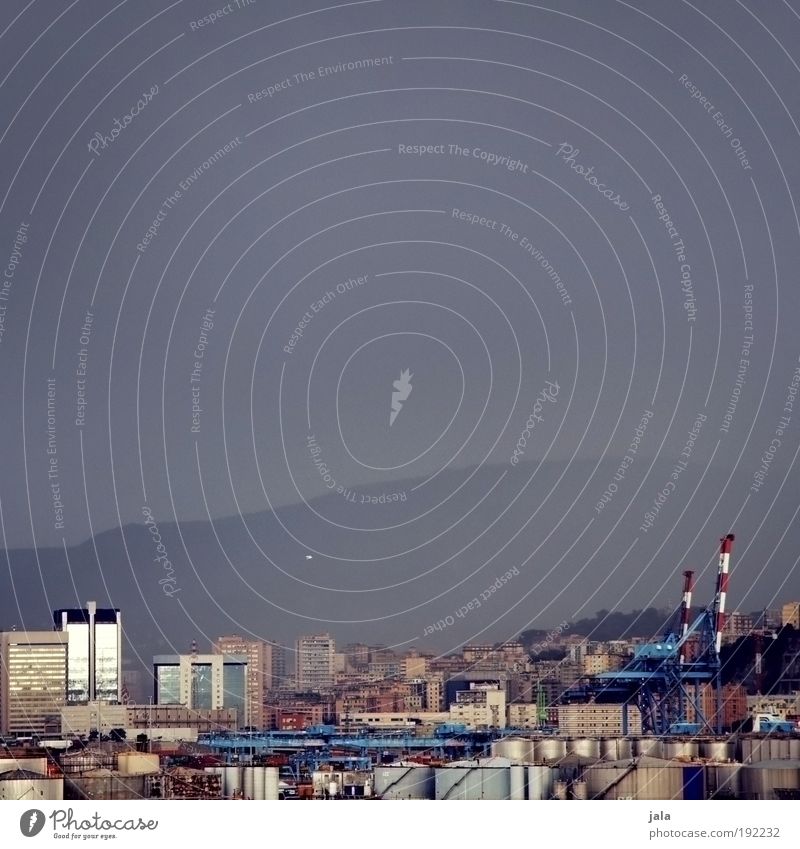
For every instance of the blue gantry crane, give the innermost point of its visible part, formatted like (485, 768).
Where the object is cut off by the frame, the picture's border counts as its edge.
(664, 678)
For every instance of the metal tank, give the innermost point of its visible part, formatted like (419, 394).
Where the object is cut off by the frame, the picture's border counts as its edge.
(231, 781)
(779, 748)
(540, 782)
(549, 749)
(259, 783)
(648, 778)
(724, 781)
(584, 747)
(86, 762)
(404, 781)
(580, 790)
(649, 746)
(560, 789)
(518, 750)
(22, 784)
(516, 782)
(472, 780)
(685, 749)
(764, 779)
(137, 763)
(718, 751)
(794, 748)
(248, 778)
(616, 748)
(271, 783)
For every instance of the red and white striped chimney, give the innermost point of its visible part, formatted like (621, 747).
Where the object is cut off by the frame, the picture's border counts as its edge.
(725, 546)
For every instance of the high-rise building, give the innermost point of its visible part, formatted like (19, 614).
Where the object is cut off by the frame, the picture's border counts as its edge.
(259, 672)
(281, 679)
(315, 662)
(202, 682)
(33, 681)
(94, 658)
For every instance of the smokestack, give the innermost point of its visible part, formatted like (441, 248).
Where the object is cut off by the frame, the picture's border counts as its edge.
(725, 546)
(686, 607)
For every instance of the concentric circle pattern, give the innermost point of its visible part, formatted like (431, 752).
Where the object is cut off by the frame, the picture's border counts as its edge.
(416, 323)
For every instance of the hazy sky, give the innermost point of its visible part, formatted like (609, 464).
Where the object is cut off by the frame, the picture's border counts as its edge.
(342, 261)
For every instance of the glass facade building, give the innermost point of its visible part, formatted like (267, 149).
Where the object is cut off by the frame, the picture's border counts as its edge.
(202, 682)
(94, 657)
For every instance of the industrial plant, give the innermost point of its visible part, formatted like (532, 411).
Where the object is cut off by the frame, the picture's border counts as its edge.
(708, 709)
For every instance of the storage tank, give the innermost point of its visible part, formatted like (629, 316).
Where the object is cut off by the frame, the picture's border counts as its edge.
(518, 750)
(724, 781)
(584, 747)
(648, 746)
(517, 782)
(540, 782)
(137, 763)
(755, 749)
(794, 748)
(647, 778)
(86, 762)
(779, 748)
(333, 789)
(248, 781)
(472, 780)
(718, 751)
(24, 784)
(549, 749)
(259, 783)
(616, 748)
(762, 780)
(271, 783)
(38, 765)
(684, 749)
(580, 790)
(232, 781)
(560, 789)
(404, 781)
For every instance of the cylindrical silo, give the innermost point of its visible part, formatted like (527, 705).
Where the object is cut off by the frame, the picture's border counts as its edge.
(233, 781)
(517, 782)
(549, 749)
(762, 779)
(724, 781)
(684, 749)
(650, 746)
(560, 789)
(404, 781)
(517, 749)
(718, 751)
(584, 747)
(580, 790)
(616, 748)
(248, 776)
(259, 783)
(540, 782)
(271, 782)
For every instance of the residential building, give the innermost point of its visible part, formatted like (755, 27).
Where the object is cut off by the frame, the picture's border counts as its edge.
(483, 706)
(315, 663)
(259, 672)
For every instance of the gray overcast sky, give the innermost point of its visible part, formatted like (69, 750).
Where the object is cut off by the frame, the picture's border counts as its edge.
(226, 233)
